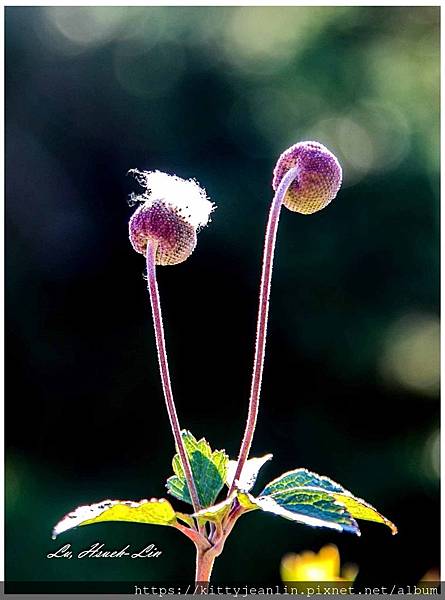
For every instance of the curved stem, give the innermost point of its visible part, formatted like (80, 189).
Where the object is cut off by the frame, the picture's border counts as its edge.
(165, 375)
(263, 311)
(199, 540)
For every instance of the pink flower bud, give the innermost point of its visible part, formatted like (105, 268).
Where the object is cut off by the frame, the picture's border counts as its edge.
(318, 181)
(171, 212)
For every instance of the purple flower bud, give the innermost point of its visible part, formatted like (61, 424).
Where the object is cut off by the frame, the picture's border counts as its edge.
(176, 238)
(318, 181)
(171, 213)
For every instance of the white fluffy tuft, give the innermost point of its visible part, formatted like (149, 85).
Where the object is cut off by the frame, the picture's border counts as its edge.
(186, 196)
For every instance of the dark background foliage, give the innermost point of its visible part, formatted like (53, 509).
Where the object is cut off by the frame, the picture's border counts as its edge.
(351, 377)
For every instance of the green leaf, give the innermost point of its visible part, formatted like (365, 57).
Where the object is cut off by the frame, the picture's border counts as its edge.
(360, 509)
(249, 473)
(217, 512)
(155, 512)
(302, 480)
(209, 471)
(247, 501)
(309, 506)
(186, 519)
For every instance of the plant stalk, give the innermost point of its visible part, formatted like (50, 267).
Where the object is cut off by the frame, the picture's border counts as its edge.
(263, 312)
(165, 375)
(205, 560)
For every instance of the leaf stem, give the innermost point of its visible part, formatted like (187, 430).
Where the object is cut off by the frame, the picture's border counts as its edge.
(263, 311)
(165, 375)
(199, 541)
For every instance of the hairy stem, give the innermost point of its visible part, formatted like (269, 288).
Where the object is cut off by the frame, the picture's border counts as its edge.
(206, 554)
(263, 311)
(204, 566)
(199, 540)
(165, 375)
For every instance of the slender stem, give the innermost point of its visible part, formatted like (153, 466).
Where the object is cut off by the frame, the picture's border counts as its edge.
(165, 375)
(263, 311)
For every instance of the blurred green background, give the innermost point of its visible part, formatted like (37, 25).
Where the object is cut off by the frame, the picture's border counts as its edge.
(351, 383)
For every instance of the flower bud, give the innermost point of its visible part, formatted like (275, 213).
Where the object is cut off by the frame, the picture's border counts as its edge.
(318, 180)
(171, 212)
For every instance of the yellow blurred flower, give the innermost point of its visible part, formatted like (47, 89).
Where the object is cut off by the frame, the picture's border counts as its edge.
(431, 575)
(324, 566)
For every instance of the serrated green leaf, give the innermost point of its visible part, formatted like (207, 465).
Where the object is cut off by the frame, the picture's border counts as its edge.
(154, 512)
(301, 480)
(249, 473)
(360, 509)
(209, 470)
(309, 506)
